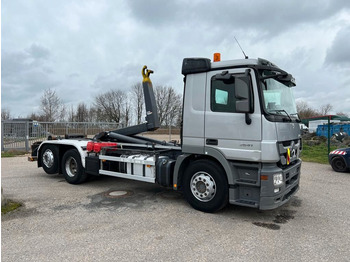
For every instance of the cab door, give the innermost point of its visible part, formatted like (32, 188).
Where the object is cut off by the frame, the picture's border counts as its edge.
(226, 130)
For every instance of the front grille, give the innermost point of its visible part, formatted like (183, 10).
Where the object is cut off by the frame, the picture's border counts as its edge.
(292, 175)
(291, 192)
(288, 143)
(291, 181)
(294, 147)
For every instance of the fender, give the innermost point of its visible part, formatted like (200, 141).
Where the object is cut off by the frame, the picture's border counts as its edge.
(77, 144)
(183, 160)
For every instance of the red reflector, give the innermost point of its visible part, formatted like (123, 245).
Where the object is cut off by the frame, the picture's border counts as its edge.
(99, 145)
(90, 146)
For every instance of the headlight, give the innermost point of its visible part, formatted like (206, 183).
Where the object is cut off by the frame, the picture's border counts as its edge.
(277, 179)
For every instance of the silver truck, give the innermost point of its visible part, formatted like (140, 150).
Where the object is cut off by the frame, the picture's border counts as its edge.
(240, 140)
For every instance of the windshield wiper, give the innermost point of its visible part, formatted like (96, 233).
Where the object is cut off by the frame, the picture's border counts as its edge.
(284, 111)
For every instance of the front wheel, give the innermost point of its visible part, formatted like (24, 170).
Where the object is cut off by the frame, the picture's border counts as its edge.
(338, 164)
(72, 168)
(205, 186)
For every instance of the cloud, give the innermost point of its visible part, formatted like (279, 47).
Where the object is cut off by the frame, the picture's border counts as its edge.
(38, 52)
(25, 74)
(29, 67)
(157, 13)
(268, 18)
(338, 54)
(25, 60)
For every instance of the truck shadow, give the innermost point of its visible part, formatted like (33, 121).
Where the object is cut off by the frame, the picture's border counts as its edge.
(269, 219)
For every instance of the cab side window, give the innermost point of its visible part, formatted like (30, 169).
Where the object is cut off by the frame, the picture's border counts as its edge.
(222, 96)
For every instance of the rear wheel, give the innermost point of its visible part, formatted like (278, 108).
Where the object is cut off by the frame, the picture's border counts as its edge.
(205, 186)
(49, 158)
(72, 168)
(338, 164)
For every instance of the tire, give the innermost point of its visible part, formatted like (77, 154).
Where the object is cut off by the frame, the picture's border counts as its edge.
(49, 159)
(72, 168)
(338, 164)
(205, 186)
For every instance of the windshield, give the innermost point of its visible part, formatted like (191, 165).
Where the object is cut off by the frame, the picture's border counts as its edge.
(278, 96)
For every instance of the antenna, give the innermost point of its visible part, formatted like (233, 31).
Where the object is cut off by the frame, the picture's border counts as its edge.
(245, 56)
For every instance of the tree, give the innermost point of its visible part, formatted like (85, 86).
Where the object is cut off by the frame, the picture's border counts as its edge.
(110, 105)
(71, 114)
(82, 113)
(126, 114)
(325, 109)
(62, 114)
(5, 114)
(138, 101)
(304, 111)
(342, 114)
(169, 105)
(35, 116)
(92, 114)
(174, 115)
(51, 106)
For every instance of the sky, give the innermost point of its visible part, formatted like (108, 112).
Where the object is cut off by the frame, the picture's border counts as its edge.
(84, 48)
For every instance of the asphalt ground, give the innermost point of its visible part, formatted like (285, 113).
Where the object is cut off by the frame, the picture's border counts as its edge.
(63, 222)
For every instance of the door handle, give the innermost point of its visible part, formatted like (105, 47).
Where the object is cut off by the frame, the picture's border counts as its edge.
(212, 142)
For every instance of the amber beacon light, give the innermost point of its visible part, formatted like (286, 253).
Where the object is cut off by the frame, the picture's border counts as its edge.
(217, 57)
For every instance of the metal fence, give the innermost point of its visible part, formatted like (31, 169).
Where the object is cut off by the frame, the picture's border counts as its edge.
(20, 135)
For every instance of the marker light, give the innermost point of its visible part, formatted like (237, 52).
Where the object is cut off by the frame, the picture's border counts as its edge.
(217, 57)
(264, 177)
(276, 190)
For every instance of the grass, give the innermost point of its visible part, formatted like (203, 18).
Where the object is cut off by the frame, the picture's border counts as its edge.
(10, 206)
(12, 153)
(317, 153)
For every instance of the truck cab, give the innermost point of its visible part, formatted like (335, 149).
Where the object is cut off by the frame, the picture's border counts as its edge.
(241, 115)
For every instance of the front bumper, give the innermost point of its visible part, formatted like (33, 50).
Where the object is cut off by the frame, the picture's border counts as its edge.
(268, 203)
(270, 200)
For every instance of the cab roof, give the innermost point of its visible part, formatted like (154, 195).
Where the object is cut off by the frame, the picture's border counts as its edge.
(200, 65)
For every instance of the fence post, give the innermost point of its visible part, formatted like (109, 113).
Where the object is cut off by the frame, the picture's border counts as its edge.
(2, 136)
(27, 135)
(329, 135)
(169, 132)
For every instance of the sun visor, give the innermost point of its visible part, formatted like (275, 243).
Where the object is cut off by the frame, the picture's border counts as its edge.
(195, 65)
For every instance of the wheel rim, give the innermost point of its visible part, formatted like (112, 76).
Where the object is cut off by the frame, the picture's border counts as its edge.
(339, 164)
(203, 186)
(48, 158)
(71, 167)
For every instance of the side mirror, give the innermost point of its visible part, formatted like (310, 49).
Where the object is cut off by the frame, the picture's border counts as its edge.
(243, 93)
